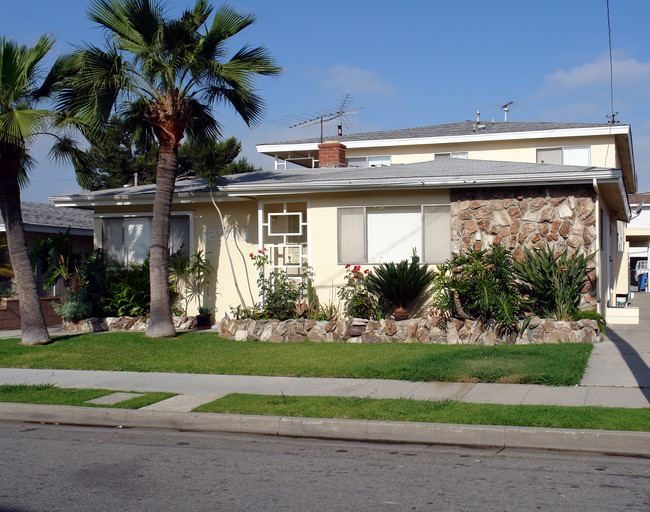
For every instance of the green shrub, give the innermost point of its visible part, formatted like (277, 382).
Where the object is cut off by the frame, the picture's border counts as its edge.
(553, 282)
(75, 306)
(399, 284)
(359, 302)
(480, 285)
(279, 291)
(127, 290)
(591, 315)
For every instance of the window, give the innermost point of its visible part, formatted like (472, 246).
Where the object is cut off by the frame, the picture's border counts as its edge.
(447, 156)
(285, 224)
(390, 233)
(570, 155)
(128, 239)
(368, 161)
(283, 231)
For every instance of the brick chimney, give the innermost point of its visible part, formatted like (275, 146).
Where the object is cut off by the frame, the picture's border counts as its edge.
(331, 153)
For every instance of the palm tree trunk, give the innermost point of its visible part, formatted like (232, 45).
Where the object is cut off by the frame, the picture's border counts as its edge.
(34, 331)
(161, 324)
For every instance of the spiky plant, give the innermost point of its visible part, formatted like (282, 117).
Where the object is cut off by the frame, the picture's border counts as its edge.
(479, 284)
(554, 282)
(399, 284)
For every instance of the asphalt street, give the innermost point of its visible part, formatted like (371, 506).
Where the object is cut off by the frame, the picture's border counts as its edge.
(55, 467)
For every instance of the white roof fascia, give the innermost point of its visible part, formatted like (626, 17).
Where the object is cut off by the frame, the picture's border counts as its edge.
(121, 200)
(621, 188)
(474, 137)
(410, 183)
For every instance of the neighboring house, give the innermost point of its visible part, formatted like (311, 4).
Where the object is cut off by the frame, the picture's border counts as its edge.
(377, 196)
(42, 220)
(637, 235)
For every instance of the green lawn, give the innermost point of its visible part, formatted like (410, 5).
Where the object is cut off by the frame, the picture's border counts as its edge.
(602, 418)
(557, 365)
(48, 394)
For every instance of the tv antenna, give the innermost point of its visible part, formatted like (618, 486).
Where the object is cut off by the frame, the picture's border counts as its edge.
(322, 117)
(505, 109)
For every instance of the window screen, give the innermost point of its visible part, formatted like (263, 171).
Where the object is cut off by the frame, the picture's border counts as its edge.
(549, 156)
(128, 240)
(578, 155)
(393, 233)
(436, 234)
(351, 234)
(385, 234)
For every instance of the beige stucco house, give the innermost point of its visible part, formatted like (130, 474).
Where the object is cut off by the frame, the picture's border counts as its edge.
(374, 197)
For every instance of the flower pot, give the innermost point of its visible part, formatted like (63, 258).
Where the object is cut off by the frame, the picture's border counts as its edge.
(203, 320)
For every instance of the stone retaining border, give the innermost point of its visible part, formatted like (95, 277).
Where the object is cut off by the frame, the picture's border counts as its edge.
(423, 330)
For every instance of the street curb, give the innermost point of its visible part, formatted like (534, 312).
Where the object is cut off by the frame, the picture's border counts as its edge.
(608, 442)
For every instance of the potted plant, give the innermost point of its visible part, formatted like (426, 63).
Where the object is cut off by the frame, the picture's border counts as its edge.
(203, 319)
(399, 284)
(189, 277)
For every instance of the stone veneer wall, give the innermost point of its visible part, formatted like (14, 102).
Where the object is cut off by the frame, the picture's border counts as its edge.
(123, 323)
(518, 217)
(423, 330)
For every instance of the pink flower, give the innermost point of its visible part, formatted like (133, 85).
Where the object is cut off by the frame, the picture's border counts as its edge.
(365, 271)
(347, 266)
(251, 255)
(356, 276)
(261, 252)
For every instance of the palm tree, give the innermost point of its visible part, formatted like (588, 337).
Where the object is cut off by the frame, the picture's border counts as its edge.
(20, 123)
(162, 76)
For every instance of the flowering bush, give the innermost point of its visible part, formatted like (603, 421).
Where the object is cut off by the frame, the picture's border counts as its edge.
(359, 302)
(279, 292)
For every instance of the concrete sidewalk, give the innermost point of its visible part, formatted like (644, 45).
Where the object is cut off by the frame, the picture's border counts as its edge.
(197, 388)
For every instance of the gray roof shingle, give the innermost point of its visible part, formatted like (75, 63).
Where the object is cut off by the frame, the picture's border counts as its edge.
(449, 130)
(435, 171)
(44, 214)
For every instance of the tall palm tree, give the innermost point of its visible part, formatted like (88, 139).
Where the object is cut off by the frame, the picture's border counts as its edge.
(20, 124)
(162, 76)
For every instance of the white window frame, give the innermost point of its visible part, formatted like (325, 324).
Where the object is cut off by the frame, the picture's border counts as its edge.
(368, 160)
(463, 155)
(131, 215)
(365, 209)
(564, 149)
(285, 214)
(263, 230)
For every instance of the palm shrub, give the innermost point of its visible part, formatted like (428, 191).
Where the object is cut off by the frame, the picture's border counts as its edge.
(553, 282)
(127, 290)
(399, 284)
(479, 284)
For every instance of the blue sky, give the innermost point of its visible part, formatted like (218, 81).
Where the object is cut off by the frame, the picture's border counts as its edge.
(407, 64)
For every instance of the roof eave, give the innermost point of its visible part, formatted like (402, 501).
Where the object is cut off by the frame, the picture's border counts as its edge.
(422, 182)
(271, 149)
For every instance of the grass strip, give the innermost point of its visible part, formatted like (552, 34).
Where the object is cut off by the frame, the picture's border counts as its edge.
(445, 411)
(552, 364)
(51, 395)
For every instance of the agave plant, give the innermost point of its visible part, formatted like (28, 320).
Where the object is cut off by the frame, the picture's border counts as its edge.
(399, 284)
(554, 281)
